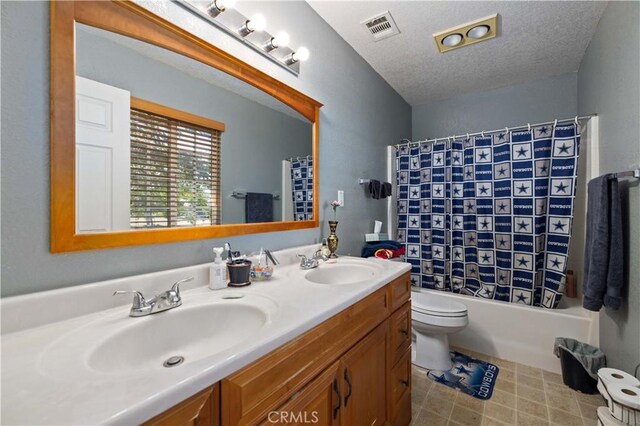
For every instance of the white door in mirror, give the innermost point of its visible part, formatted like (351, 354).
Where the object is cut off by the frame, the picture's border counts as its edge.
(102, 157)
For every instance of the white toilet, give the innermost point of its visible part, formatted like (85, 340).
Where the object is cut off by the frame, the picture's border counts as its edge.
(434, 317)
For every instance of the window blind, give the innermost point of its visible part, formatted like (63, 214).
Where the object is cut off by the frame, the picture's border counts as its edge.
(175, 172)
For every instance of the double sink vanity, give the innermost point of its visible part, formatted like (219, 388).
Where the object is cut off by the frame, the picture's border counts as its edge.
(331, 343)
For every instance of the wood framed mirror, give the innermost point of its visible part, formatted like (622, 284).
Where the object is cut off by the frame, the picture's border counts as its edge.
(160, 204)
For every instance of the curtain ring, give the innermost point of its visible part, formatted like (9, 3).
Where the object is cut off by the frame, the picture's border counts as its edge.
(482, 133)
(468, 136)
(506, 130)
(577, 123)
(555, 123)
(529, 127)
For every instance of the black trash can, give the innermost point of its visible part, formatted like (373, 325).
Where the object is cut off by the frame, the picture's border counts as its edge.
(580, 363)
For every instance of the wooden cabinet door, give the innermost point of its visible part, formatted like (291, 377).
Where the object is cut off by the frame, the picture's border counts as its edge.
(363, 373)
(318, 403)
(202, 409)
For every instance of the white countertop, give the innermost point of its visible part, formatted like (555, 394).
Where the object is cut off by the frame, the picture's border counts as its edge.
(46, 382)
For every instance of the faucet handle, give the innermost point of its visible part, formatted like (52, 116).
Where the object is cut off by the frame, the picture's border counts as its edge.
(176, 286)
(138, 298)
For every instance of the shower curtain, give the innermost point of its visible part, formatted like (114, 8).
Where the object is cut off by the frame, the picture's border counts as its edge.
(490, 216)
(302, 187)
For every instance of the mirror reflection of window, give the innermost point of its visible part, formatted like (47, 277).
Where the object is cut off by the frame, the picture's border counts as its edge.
(175, 171)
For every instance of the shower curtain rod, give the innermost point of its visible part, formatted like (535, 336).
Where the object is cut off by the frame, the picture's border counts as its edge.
(528, 126)
(290, 159)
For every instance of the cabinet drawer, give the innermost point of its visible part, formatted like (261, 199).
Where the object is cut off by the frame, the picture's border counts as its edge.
(400, 332)
(401, 390)
(400, 289)
(249, 394)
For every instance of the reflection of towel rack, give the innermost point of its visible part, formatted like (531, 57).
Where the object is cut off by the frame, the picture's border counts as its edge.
(629, 173)
(363, 181)
(243, 194)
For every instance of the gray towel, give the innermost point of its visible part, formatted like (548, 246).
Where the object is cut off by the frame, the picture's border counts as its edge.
(603, 257)
(258, 207)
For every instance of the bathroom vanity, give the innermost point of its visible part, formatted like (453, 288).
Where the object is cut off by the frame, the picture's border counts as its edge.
(353, 369)
(307, 343)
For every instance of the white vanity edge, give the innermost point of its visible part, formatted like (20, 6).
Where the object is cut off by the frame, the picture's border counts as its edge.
(22, 313)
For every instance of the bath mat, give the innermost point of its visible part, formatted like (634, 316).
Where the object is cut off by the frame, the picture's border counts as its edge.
(471, 376)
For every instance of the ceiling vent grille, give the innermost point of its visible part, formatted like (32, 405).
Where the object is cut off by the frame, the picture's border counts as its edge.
(380, 26)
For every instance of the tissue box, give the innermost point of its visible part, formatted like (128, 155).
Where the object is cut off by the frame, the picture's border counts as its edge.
(376, 237)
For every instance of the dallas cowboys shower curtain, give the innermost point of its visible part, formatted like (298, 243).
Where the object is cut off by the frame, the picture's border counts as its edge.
(490, 216)
(302, 187)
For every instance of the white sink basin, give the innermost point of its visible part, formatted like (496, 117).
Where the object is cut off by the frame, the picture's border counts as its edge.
(192, 333)
(343, 272)
(121, 345)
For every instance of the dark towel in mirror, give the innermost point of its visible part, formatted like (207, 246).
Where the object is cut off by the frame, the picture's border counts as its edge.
(604, 258)
(258, 207)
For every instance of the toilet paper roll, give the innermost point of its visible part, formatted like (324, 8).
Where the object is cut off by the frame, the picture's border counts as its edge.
(611, 375)
(625, 403)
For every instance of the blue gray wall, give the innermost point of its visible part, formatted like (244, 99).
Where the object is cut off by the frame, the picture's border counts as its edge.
(609, 84)
(361, 114)
(531, 102)
(256, 138)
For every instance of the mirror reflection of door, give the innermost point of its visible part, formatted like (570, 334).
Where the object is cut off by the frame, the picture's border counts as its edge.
(173, 179)
(102, 157)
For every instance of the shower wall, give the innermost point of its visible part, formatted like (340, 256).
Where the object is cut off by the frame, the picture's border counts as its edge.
(546, 99)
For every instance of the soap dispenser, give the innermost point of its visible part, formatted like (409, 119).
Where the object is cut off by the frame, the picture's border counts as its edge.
(324, 250)
(217, 271)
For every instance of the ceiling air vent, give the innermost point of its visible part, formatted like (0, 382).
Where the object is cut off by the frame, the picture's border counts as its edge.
(380, 26)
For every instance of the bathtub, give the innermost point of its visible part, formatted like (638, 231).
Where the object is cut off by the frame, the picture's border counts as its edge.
(520, 333)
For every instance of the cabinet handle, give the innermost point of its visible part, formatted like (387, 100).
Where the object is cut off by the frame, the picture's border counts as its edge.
(405, 382)
(336, 389)
(403, 331)
(346, 378)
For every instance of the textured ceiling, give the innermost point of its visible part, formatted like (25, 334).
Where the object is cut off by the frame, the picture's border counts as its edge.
(535, 40)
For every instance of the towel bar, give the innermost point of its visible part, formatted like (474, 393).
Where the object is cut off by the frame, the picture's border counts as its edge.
(629, 173)
(243, 194)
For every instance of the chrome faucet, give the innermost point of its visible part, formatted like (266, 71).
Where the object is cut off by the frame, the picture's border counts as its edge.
(161, 302)
(311, 263)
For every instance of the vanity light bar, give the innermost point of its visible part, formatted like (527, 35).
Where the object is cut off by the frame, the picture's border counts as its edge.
(250, 31)
(467, 34)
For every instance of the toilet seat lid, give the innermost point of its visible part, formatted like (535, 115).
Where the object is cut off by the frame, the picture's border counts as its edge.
(438, 306)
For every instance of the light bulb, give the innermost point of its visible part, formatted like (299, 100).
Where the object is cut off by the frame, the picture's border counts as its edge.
(281, 39)
(257, 23)
(302, 54)
(452, 40)
(478, 31)
(216, 7)
(225, 4)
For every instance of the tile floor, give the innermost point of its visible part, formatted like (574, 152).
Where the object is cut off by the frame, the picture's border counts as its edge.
(522, 396)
